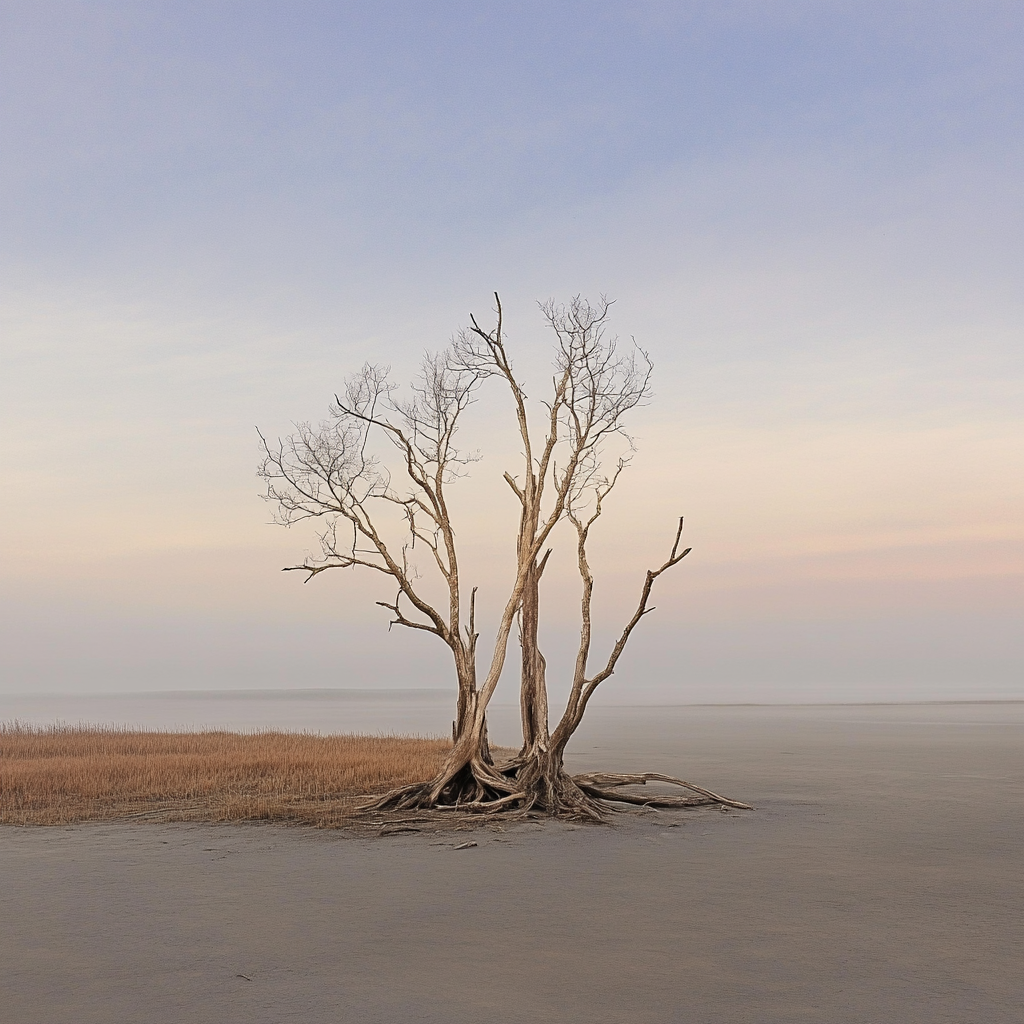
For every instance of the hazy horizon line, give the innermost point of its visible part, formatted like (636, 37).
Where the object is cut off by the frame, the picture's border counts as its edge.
(447, 693)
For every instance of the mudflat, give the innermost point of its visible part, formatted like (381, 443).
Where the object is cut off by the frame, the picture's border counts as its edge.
(879, 879)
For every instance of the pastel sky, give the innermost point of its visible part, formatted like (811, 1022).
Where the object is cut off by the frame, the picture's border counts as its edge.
(811, 214)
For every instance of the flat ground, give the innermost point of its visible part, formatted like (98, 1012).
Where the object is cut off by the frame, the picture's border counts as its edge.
(879, 880)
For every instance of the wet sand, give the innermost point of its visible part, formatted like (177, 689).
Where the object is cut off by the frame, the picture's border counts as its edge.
(880, 879)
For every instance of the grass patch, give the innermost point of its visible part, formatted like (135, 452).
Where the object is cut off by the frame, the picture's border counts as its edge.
(57, 775)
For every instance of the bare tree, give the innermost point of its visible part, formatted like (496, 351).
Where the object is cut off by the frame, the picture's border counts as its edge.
(330, 473)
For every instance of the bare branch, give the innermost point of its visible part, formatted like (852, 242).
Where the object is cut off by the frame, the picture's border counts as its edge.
(582, 687)
(510, 480)
(401, 619)
(652, 574)
(375, 477)
(329, 472)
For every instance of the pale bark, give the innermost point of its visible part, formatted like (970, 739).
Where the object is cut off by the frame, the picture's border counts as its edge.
(329, 473)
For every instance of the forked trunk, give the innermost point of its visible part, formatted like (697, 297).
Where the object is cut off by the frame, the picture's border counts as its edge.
(538, 770)
(463, 723)
(547, 787)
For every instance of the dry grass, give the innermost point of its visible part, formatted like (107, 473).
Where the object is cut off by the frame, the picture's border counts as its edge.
(64, 774)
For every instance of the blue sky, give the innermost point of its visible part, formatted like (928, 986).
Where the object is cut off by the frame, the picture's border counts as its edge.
(811, 213)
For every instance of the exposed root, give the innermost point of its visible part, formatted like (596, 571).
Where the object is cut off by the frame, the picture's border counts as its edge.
(488, 805)
(524, 787)
(604, 785)
(477, 785)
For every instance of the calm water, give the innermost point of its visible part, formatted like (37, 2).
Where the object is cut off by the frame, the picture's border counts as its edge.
(652, 730)
(415, 712)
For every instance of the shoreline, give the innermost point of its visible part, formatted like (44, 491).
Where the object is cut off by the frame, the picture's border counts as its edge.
(878, 879)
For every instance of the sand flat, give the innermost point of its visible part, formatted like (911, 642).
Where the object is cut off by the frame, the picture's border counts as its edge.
(880, 880)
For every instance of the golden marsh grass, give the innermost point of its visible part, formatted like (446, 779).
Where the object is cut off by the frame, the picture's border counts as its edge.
(61, 774)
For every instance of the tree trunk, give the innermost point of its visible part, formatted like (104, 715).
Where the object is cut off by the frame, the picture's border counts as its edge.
(465, 711)
(468, 775)
(533, 692)
(538, 770)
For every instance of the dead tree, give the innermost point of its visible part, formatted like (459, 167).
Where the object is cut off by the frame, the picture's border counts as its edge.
(328, 473)
(331, 473)
(594, 388)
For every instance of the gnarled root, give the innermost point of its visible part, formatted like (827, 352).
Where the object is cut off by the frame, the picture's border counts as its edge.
(475, 786)
(532, 786)
(606, 785)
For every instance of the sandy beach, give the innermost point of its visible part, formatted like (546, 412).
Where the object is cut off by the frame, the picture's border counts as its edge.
(878, 880)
